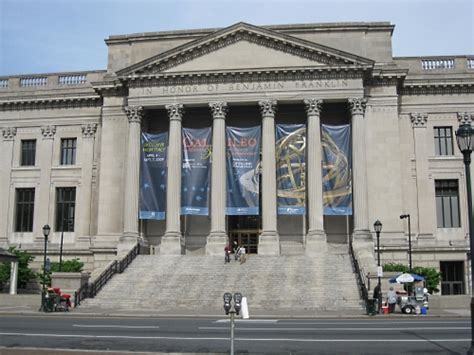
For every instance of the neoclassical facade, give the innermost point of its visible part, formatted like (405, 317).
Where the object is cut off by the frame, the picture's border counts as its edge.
(71, 146)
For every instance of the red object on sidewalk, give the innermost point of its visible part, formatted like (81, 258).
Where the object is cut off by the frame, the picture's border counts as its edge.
(385, 309)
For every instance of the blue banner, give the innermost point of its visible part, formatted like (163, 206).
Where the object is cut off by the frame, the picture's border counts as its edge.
(195, 173)
(337, 169)
(153, 176)
(243, 160)
(291, 164)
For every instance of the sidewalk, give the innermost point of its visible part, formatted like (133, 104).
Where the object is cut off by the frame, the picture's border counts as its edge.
(30, 304)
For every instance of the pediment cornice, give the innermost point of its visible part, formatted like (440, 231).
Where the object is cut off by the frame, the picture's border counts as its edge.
(35, 103)
(322, 56)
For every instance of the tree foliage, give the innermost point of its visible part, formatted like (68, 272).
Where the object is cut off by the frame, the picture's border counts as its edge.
(25, 274)
(431, 275)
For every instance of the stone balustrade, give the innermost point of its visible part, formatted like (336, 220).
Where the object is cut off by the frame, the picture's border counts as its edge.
(49, 81)
(434, 65)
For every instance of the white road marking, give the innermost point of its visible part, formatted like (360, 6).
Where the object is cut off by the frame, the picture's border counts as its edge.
(115, 326)
(249, 321)
(340, 328)
(283, 322)
(398, 340)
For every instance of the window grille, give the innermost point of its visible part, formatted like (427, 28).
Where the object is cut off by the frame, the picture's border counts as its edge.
(447, 203)
(25, 205)
(68, 151)
(28, 152)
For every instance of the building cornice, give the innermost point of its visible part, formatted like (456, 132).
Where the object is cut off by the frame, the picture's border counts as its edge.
(436, 88)
(16, 104)
(217, 77)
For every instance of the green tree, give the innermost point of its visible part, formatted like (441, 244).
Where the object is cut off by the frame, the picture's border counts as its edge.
(25, 274)
(432, 277)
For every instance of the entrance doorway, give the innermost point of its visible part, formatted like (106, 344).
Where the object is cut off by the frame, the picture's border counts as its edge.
(245, 231)
(453, 277)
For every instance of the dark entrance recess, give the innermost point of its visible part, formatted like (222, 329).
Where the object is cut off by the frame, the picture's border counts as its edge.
(453, 277)
(245, 230)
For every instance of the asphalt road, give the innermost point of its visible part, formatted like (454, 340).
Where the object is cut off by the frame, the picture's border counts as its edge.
(377, 335)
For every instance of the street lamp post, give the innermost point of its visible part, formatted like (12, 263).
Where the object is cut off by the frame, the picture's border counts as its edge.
(465, 140)
(409, 239)
(69, 223)
(378, 228)
(46, 230)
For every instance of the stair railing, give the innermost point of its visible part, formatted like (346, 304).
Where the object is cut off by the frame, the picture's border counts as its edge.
(90, 290)
(363, 290)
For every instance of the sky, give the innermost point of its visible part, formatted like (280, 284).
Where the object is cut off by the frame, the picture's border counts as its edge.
(47, 36)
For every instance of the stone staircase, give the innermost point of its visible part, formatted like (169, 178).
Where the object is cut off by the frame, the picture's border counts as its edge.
(194, 285)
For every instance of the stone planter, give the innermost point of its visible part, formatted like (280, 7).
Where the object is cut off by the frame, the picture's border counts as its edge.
(69, 282)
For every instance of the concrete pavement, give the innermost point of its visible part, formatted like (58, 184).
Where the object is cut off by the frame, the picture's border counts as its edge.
(440, 306)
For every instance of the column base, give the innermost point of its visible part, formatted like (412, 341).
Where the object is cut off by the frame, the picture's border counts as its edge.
(171, 244)
(126, 243)
(269, 243)
(362, 235)
(316, 242)
(216, 242)
(364, 253)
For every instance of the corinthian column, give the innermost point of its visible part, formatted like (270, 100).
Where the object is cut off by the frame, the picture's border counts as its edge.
(424, 184)
(45, 162)
(218, 237)
(316, 237)
(87, 162)
(6, 154)
(171, 241)
(359, 168)
(269, 243)
(132, 177)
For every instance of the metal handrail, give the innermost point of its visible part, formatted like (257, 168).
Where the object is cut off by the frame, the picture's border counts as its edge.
(90, 290)
(363, 292)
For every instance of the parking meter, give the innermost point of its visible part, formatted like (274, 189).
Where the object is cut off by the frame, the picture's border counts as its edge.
(227, 300)
(237, 302)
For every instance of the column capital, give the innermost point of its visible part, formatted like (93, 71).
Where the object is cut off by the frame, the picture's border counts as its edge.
(88, 130)
(175, 111)
(418, 120)
(313, 106)
(9, 133)
(357, 105)
(268, 107)
(134, 113)
(219, 109)
(48, 132)
(465, 117)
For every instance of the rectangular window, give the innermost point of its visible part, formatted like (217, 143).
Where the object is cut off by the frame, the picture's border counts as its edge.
(65, 208)
(25, 205)
(28, 152)
(443, 137)
(68, 151)
(447, 203)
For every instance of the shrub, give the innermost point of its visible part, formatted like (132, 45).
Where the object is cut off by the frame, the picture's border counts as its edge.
(432, 277)
(25, 274)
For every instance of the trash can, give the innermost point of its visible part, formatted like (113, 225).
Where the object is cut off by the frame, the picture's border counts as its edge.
(370, 306)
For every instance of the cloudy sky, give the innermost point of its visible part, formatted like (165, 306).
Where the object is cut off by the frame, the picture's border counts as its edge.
(40, 36)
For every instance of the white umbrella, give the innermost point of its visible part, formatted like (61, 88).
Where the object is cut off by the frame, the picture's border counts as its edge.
(406, 278)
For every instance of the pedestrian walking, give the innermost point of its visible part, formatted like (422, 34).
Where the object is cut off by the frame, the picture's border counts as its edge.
(227, 251)
(391, 300)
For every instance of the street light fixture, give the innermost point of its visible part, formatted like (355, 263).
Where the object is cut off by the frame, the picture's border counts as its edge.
(46, 230)
(403, 216)
(378, 228)
(465, 140)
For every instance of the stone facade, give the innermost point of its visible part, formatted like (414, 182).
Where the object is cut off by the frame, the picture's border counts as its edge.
(162, 80)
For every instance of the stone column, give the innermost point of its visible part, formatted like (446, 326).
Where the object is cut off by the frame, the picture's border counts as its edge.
(132, 179)
(424, 184)
(269, 243)
(6, 156)
(316, 237)
(359, 169)
(45, 161)
(83, 229)
(218, 237)
(113, 144)
(171, 241)
(13, 277)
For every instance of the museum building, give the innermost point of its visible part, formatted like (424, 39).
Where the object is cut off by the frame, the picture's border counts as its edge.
(282, 138)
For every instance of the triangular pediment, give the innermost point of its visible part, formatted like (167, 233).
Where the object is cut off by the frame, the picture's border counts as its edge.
(244, 47)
